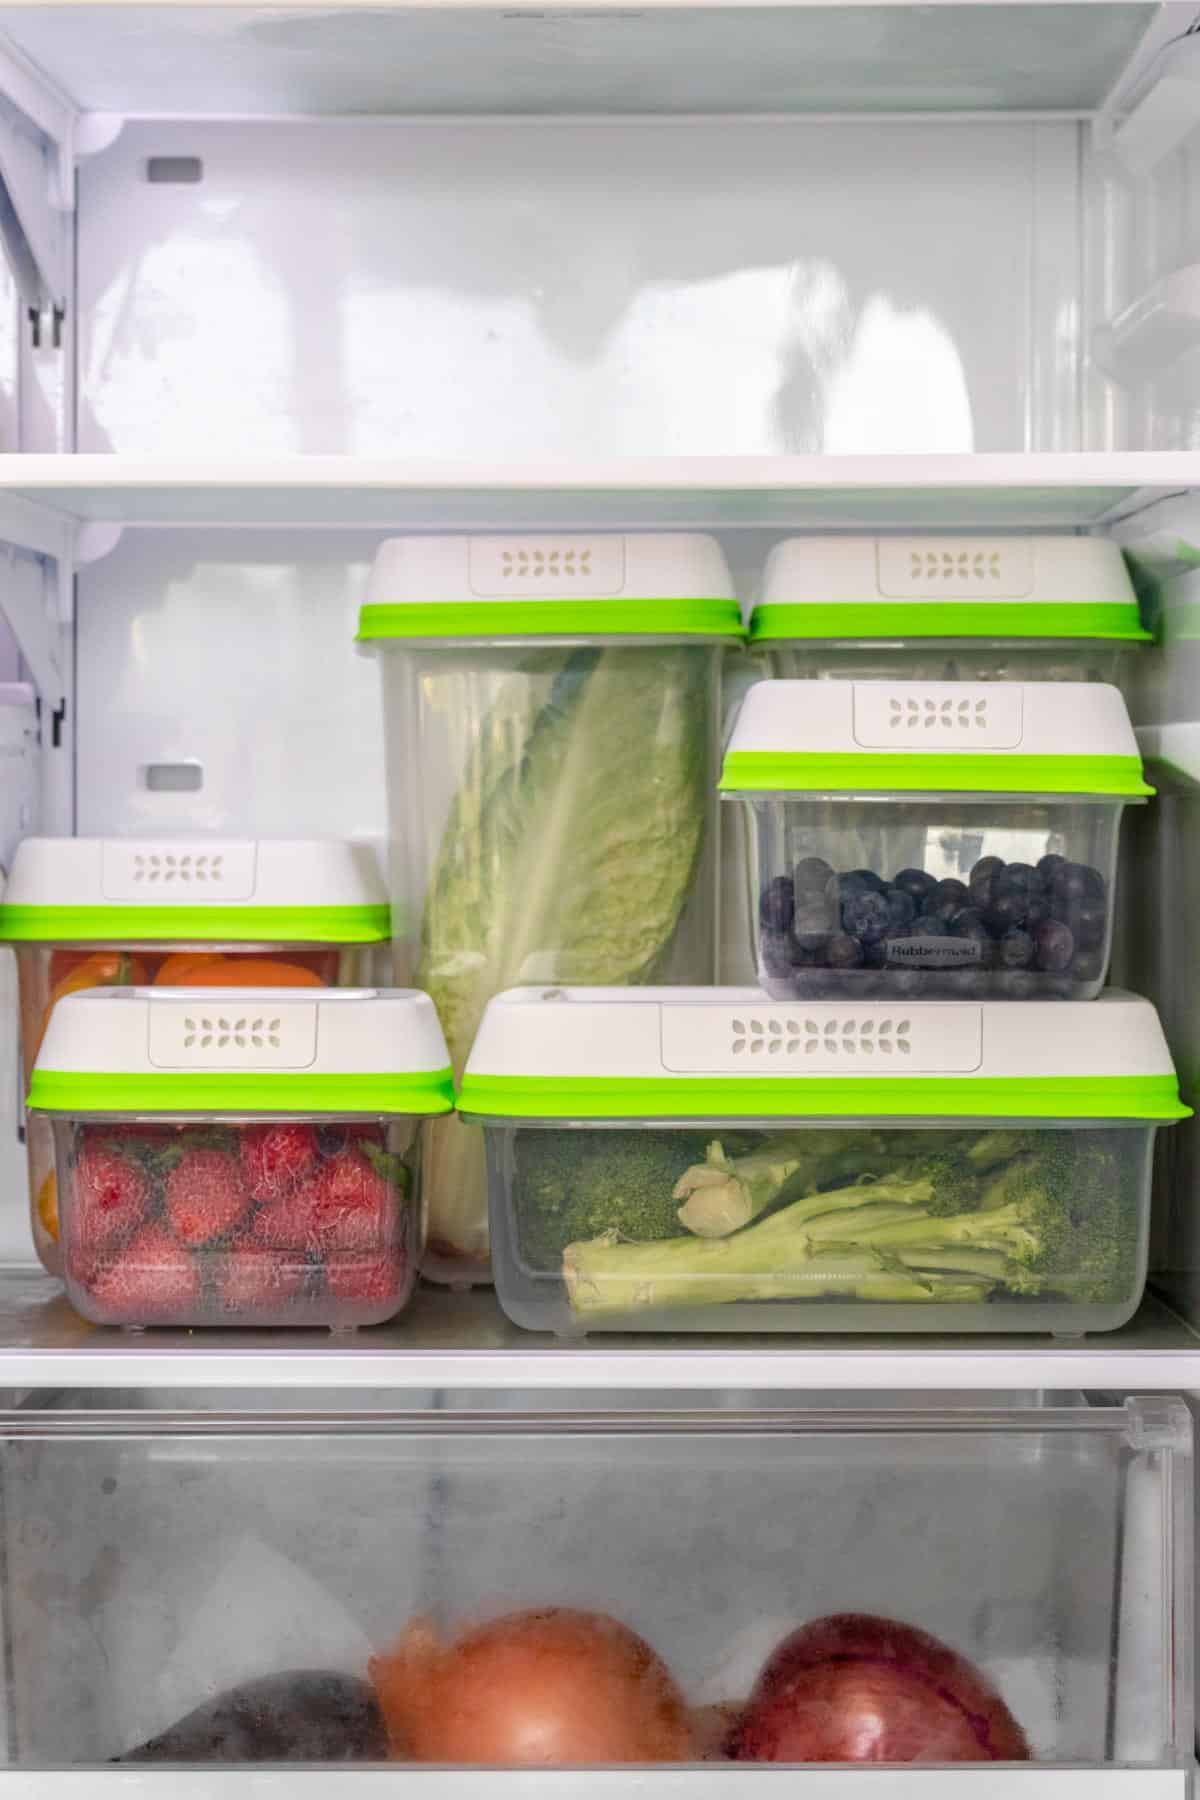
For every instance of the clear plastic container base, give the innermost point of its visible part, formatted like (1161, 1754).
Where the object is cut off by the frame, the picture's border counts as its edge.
(932, 896)
(949, 659)
(818, 1226)
(248, 1221)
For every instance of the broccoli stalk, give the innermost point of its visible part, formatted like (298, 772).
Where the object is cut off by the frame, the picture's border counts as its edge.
(606, 1277)
(724, 1193)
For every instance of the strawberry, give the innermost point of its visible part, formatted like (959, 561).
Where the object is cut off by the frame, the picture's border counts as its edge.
(369, 1280)
(274, 1157)
(206, 1195)
(153, 1277)
(111, 1195)
(289, 1224)
(260, 1281)
(353, 1204)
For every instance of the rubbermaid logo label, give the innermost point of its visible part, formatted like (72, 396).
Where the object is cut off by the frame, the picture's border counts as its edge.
(935, 953)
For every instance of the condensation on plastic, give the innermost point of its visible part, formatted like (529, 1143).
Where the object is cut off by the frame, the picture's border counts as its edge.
(551, 821)
(536, 1161)
(944, 836)
(44, 968)
(960, 659)
(335, 1242)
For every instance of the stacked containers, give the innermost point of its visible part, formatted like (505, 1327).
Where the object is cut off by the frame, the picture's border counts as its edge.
(1019, 608)
(920, 838)
(720, 1161)
(91, 912)
(551, 712)
(240, 1155)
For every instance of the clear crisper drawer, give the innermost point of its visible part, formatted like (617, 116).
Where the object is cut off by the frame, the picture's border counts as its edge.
(153, 1562)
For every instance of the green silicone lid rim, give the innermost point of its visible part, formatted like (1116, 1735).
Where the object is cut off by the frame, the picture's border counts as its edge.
(784, 621)
(196, 924)
(416, 1091)
(818, 771)
(1146, 1098)
(381, 623)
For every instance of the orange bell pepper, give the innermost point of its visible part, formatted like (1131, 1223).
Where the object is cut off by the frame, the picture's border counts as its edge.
(250, 971)
(100, 968)
(177, 969)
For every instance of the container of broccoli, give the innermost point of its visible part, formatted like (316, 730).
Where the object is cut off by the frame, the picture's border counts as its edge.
(550, 710)
(713, 1160)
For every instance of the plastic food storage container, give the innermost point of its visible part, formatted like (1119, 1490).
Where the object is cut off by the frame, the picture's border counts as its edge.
(551, 716)
(240, 1155)
(1048, 1547)
(712, 1160)
(102, 912)
(1032, 608)
(933, 838)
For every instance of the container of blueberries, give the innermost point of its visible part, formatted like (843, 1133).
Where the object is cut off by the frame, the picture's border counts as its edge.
(933, 839)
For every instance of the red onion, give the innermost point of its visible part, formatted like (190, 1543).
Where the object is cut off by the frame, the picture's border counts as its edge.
(854, 1688)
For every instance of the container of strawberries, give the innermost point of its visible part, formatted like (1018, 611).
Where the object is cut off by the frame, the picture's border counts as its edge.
(240, 1156)
(206, 911)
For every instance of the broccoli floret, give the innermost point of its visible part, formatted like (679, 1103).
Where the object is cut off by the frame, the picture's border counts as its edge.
(569, 1185)
(1065, 1217)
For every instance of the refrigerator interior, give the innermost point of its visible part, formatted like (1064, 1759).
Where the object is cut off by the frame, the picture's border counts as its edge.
(882, 268)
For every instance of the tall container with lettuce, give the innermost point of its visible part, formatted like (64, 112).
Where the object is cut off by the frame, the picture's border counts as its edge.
(551, 713)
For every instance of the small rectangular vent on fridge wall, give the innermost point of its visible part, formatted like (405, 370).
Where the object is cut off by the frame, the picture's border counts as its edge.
(178, 870)
(207, 1034)
(954, 569)
(546, 567)
(801, 1039)
(948, 715)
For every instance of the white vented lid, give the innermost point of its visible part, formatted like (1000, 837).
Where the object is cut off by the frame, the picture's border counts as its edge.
(656, 584)
(709, 1052)
(1059, 737)
(899, 588)
(199, 1050)
(282, 890)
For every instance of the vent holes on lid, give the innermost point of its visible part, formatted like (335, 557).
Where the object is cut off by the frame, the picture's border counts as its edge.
(167, 869)
(955, 565)
(837, 1036)
(930, 713)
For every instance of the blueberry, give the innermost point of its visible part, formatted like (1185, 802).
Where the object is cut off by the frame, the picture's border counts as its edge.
(1015, 984)
(941, 909)
(903, 984)
(1055, 946)
(1090, 923)
(866, 916)
(1016, 950)
(966, 984)
(1076, 881)
(843, 952)
(860, 881)
(914, 882)
(986, 869)
(1037, 912)
(901, 906)
(929, 925)
(1016, 878)
(950, 889)
(1048, 865)
(1088, 965)
(809, 949)
(775, 953)
(968, 923)
(777, 904)
(812, 876)
(816, 915)
(1006, 912)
